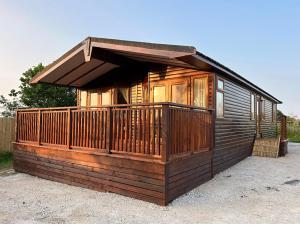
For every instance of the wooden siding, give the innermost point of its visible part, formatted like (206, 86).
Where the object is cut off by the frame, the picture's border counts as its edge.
(7, 134)
(235, 132)
(186, 173)
(268, 127)
(102, 172)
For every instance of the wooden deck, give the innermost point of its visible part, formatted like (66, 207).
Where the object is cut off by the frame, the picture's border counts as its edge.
(153, 152)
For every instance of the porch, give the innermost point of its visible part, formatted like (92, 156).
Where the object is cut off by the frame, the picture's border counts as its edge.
(153, 152)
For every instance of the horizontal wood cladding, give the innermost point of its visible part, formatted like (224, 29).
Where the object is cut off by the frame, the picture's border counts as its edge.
(268, 127)
(235, 132)
(139, 179)
(186, 173)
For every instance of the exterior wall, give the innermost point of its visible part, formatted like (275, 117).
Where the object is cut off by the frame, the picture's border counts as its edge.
(234, 134)
(184, 174)
(268, 126)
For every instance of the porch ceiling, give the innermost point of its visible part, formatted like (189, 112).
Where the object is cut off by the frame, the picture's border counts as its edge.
(95, 57)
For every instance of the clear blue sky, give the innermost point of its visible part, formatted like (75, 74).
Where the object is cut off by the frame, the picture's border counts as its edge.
(258, 39)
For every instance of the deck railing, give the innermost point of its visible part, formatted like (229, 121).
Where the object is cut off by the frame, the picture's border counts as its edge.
(162, 130)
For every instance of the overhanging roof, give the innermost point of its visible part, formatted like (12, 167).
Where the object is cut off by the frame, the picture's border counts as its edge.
(94, 57)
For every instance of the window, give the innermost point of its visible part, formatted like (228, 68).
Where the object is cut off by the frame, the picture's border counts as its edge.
(252, 113)
(94, 99)
(274, 113)
(200, 92)
(178, 93)
(220, 98)
(83, 97)
(159, 94)
(105, 98)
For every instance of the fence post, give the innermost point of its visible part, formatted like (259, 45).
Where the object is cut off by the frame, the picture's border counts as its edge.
(109, 130)
(69, 129)
(16, 126)
(165, 133)
(212, 139)
(39, 128)
(283, 135)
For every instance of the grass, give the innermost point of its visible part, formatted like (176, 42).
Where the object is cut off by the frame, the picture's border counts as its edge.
(6, 159)
(293, 133)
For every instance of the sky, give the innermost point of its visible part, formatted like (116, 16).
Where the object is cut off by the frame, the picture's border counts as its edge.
(258, 39)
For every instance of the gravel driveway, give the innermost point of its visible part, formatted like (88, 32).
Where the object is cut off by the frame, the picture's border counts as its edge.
(257, 190)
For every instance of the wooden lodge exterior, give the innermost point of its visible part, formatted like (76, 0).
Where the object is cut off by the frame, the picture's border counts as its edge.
(152, 121)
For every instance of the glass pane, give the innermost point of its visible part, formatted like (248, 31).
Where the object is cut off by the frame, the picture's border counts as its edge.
(220, 85)
(220, 104)
(123, 97)
(106, 98)
(179, 94)
(94, 99)
(83, 96)
(200, 92)
(159, 94)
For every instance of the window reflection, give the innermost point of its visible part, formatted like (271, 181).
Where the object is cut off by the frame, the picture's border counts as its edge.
(200, 92)
(179, 93)
(159, 94)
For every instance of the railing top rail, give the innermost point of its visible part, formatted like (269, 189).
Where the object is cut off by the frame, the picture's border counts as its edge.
(115, 106)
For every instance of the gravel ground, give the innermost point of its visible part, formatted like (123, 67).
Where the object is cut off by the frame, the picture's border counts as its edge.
(257, 190)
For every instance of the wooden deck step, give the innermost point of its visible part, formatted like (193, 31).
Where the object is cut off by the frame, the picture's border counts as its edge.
(266, 147)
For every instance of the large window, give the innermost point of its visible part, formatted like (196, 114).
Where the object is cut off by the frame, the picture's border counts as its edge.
(220, 99)
(200, 92)
(105, 98)
(179, 93)
(83, 97)
(159, 94)
(252, 113)
(94, 99)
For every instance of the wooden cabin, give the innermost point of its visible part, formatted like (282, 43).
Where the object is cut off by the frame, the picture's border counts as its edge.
(152, 121)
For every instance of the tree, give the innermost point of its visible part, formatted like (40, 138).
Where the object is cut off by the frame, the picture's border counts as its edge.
(279, 114)
(37, 95)
(11, 104)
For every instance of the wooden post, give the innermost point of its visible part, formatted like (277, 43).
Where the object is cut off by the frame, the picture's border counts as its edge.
(212, 139)
(109, 130)
(69, 129)
(283, 131)
(165, 133)
(16, 126)
(39, 128)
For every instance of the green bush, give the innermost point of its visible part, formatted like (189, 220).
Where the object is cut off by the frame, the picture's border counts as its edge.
(6, 159)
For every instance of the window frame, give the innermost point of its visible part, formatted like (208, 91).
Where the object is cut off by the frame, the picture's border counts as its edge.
(206, 91)
(222, 91)
(186, 93)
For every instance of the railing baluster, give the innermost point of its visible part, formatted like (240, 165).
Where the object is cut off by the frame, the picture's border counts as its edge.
(39, 128)
(109, 130)
(69, 129)
(165, 133)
